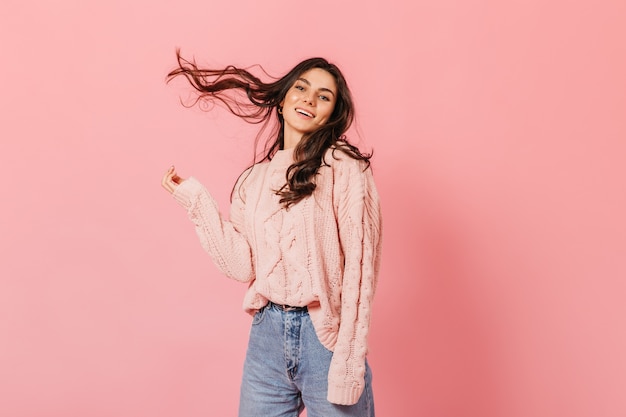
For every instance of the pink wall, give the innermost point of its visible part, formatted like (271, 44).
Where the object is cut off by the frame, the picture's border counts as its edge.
(500, 138)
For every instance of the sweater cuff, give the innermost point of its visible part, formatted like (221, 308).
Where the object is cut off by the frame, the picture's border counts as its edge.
(184, 194)
(344, 395)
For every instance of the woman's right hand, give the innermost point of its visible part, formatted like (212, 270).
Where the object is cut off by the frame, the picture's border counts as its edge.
(171, 180)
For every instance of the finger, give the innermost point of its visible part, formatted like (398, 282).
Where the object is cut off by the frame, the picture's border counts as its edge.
(167, 182)
(167, 186)
(166, 179)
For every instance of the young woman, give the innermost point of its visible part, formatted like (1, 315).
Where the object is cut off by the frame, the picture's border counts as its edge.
(304, 232)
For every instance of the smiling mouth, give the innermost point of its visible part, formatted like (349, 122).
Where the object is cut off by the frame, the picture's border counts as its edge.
(305, 113)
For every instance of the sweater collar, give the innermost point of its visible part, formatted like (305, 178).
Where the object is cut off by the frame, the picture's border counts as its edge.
(283, 157)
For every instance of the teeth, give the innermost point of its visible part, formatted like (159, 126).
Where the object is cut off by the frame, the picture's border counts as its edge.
(306, 113)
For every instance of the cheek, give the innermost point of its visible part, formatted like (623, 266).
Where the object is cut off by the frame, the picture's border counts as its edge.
(292, 97)
(328, 111)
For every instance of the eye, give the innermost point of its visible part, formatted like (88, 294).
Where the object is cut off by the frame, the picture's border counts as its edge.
(324, 98)
(299, 87)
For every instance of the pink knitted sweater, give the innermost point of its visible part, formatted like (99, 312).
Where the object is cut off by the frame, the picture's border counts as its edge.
(323, 252)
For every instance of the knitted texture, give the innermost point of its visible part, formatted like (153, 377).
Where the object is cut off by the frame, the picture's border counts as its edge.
(323, 252)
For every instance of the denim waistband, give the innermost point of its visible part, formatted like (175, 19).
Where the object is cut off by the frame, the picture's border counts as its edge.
(286, 308)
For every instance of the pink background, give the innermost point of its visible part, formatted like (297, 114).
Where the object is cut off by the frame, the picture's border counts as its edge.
(499, 132)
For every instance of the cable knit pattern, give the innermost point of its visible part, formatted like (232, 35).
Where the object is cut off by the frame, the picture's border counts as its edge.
(323, 252)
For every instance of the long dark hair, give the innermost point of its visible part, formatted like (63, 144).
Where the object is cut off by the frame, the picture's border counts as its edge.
(260, 101)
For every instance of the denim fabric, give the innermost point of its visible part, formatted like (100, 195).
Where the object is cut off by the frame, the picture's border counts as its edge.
(286, 370)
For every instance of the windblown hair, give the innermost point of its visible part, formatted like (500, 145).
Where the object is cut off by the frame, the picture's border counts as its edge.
(255, 101)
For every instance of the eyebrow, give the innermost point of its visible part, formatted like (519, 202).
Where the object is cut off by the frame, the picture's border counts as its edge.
(304, 80)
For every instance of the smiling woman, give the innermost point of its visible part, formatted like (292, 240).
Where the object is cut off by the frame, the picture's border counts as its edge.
(304, 232)
(309, 102)
(308, 105)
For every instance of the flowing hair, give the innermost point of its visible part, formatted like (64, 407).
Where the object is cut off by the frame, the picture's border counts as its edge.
(258, 102)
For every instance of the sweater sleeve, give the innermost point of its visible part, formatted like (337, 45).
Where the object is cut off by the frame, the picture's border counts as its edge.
(360, 227)
(223, 240)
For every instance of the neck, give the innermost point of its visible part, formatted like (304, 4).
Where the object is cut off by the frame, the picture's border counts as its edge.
(291, 139)
(288, 144)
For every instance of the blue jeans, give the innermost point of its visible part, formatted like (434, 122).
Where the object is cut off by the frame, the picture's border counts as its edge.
(286, 370)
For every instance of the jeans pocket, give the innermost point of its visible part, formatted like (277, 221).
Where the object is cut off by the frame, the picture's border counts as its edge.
(258, 317)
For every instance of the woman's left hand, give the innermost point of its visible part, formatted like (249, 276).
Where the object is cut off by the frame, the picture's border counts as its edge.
(171, 180)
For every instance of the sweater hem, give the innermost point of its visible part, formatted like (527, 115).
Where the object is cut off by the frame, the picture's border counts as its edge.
(344, 395)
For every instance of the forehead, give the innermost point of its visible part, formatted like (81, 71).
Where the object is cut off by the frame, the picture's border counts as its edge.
(319, 78)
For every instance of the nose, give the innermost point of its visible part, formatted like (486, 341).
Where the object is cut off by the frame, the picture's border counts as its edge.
(309, 98)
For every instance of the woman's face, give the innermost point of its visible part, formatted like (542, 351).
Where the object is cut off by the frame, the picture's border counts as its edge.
(309, 103)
